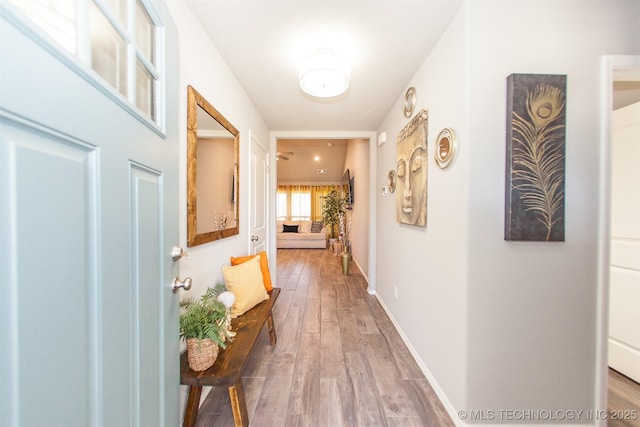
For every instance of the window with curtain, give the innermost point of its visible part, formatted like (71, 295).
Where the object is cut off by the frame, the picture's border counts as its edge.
(281, 205)
(300, 202)
(301, 205)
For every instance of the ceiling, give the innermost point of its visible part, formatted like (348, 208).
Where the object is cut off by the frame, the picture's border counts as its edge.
(302, 166)
(384, 41)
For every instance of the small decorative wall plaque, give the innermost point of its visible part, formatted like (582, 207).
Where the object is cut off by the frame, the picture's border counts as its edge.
(409, 102)
(446, 147)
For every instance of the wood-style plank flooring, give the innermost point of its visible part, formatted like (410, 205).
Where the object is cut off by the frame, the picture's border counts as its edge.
(624, 401)
(339, 361)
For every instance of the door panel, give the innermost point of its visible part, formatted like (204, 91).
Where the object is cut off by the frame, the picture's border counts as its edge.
(258, 191)
(45, 277)
(88, 217)
(146, 225)
(624, 272)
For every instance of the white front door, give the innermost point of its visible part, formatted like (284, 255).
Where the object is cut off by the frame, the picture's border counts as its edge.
(624, 273)
(88, 217)
(258, 193)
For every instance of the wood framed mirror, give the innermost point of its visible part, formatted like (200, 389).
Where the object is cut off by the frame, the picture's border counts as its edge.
(212, 172)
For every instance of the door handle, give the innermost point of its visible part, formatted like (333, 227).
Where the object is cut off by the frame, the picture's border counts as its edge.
(177, 253)
(184, 284)
(254, 238)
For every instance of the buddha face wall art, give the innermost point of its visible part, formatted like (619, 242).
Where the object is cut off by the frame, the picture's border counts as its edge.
(411, 193)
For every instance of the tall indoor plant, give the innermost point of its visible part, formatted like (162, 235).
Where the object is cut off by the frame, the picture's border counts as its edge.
(332, 210)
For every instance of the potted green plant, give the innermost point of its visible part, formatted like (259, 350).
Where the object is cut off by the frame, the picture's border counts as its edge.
(204, 327)
(333, 209)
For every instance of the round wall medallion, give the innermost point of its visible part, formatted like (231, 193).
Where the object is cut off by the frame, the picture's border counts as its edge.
(446, 147)
(392, 181)
(409, 102)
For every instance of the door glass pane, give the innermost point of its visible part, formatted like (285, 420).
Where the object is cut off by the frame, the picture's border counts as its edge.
(119, 10)
(145, 90)
(55, 17)
(108, 51)
(145, 33)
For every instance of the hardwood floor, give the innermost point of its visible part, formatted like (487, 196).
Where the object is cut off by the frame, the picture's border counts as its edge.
(338, 362)
(624, 401)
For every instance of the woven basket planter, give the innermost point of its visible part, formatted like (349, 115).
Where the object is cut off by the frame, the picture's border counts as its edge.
(201, 355)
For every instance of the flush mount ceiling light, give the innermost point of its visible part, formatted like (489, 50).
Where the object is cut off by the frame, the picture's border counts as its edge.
(324, 74)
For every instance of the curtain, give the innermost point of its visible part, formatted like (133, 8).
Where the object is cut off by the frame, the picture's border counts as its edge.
(300, 202)
(317, 201)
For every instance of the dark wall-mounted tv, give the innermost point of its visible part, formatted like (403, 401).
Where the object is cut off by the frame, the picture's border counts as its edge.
(348, 187)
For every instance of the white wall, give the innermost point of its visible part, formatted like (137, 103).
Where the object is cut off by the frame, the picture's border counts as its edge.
(532, 323)
(357, 161)
(428, 265)
(503, 325)
(202, 67)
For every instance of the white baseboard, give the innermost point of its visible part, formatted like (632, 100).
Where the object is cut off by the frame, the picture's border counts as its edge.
(453, 412)
(366, 278)
(432, 381)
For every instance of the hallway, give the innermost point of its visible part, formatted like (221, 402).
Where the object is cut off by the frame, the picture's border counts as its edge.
(333, 364)
(339, 361)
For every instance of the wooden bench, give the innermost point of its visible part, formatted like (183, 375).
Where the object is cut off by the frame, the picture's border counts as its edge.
(227, 370)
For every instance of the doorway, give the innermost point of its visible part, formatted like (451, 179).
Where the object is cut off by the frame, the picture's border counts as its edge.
(365, 185)
(620, 87)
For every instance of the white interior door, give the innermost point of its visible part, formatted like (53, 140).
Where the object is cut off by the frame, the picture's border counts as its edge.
(624, 273)
(88, 217)
(258, 193)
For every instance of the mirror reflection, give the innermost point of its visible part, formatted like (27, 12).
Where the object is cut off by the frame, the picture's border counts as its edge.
(444, 148)
(212, 173)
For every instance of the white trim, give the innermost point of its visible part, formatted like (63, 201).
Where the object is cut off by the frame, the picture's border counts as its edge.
(608, 66)
(373, 215)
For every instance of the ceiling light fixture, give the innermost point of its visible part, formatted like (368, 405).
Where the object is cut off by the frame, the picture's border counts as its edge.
(324, 74)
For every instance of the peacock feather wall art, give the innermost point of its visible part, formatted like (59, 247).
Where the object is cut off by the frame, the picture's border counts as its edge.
(535, 169)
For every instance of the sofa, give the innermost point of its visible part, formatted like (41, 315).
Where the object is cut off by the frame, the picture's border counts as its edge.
(302, 237)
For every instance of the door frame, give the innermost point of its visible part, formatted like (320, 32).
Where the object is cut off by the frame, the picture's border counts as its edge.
(608, 65)
(273, 186)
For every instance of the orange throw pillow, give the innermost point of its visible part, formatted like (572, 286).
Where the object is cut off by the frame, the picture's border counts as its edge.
(264, 267)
